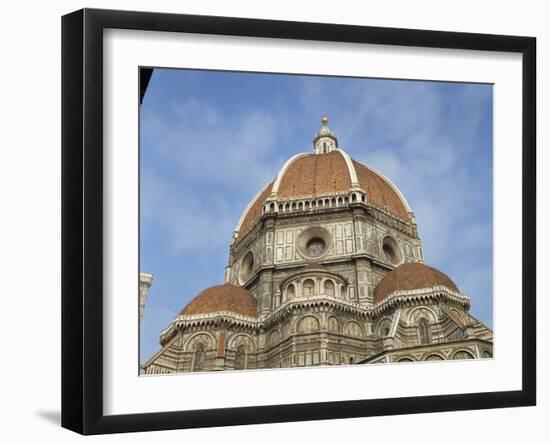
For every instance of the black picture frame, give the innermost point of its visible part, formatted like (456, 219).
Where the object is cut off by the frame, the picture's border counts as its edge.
(82, 220)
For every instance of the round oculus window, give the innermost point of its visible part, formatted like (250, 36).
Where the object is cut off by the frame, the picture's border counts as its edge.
(316, 247)
(314, 242)
(247, 264)
(390, 249)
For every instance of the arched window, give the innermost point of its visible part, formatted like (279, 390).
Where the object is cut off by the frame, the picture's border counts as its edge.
(384, 328)
(391, 249)
(329, 288)
(353, 329)
(333, 325)
(424, 336)
(199, 358)
(486, 354)
(308, 324)
(240, 358)
(290, 292)
(434, 357)
(462, 355)
(308, 287)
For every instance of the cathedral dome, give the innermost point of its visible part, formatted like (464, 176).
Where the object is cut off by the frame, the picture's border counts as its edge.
(410, 276)
(223, 298)
(326, 172)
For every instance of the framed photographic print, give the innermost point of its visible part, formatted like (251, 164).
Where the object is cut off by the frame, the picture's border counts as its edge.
(309, 220)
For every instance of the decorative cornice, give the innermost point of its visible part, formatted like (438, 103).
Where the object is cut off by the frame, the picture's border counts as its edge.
(380, 214)
(394, 300)
(311, 301)
(398, 223)
(313, 271)
(227, 317)
(146, 278)
(432, 347)
(426, 295)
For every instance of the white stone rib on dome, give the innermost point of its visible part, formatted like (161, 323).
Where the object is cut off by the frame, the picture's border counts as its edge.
(351, 169)
(280, 175)
(243, 215)
(344, 154)
(352, 175)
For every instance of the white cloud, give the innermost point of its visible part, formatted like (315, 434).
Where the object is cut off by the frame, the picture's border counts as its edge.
(214, 149)
(182, 218)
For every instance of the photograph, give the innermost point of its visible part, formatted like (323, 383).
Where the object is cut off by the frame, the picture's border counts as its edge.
(299, 220)
(269, 222)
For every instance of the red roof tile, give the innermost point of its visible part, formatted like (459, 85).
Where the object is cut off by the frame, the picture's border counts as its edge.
(318, 174)
(410, 276)
(315, 174)
(379, 192)
(226, 297)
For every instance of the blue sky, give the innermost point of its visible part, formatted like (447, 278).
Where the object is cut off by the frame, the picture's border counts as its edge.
(210, 140)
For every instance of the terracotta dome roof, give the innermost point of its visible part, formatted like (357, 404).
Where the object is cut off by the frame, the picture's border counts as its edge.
(226, 297)
(314, 174)
(254, 210)
(380, 191)
(308, 175)
(411, 276)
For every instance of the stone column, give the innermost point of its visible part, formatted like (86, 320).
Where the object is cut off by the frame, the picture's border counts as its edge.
(323, 339)
(145, 282)
(265, 291)
(219, 363)
(363, 272)
(261, 357)
(269, 240)
(358, 231)
(387, 343)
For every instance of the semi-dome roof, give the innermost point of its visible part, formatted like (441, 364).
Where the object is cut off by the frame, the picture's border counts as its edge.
(313, 174)
(223, 298)
(410, 276)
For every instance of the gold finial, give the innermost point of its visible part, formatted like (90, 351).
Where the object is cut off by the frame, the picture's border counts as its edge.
(324, 120)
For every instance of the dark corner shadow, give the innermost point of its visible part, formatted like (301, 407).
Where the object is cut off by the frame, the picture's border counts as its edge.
(54, 417)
